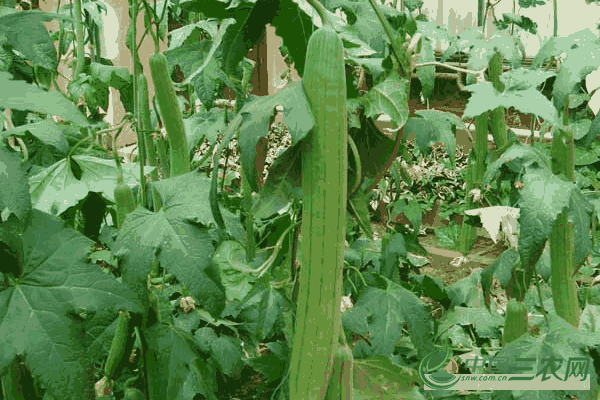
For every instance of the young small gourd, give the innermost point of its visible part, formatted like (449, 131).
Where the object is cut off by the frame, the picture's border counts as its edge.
(118, 348)
(516, 321)
(124, 200)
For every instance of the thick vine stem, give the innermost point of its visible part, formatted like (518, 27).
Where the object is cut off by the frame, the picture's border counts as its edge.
(357, 163)
(323, 13)
(115, 152)
(397, 49)
(22, 147)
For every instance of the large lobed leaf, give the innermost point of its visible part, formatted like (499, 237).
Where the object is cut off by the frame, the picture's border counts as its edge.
(543, 197)
(382, 311)
(530, 101)
(257, 115)
(15, 189)
(170, 351)
(37, 308)
(35, 98)
(389, 97)
(57, 188)
(178, 235)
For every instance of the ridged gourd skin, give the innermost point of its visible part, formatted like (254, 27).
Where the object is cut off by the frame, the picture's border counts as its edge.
(324, 194)
(171, 114)
(341, 385)
(516, 321)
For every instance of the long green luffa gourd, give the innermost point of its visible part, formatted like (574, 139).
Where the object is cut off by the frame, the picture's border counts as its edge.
(324, 195)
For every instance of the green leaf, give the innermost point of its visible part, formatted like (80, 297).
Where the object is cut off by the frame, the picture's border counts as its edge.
(384, 311)
(46, 131)
(412, 5)
(207, 124)
(200, 380)
(57, 186)
(444, 125)
(187, 322)
(586, 156)
(15, 187)
(26, 34)
(179, 237)
(75, 168)
(389, 97)
(432, 31)
(204, 337)
(410, 208)
(521, 21)
(467, 291)
(362, 252)
(486, 325)
(540, 187)
(485, 98)
(522, 78)
(34, 98)
(92, 89)
(448, 236)
(517, 157)
(170, 352)
(557, 339)
(580, 212)
(262, 312)
(36, 311)
(380, 377)
(236, 274)
(358, 207)
(269, 364)
(427, 74)
(257, 115)
(226, 351)
(580, 128)
(244, 33)
(11, 250)
(206, 69)
(283, 184)
(579, 62)
(555, 46)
